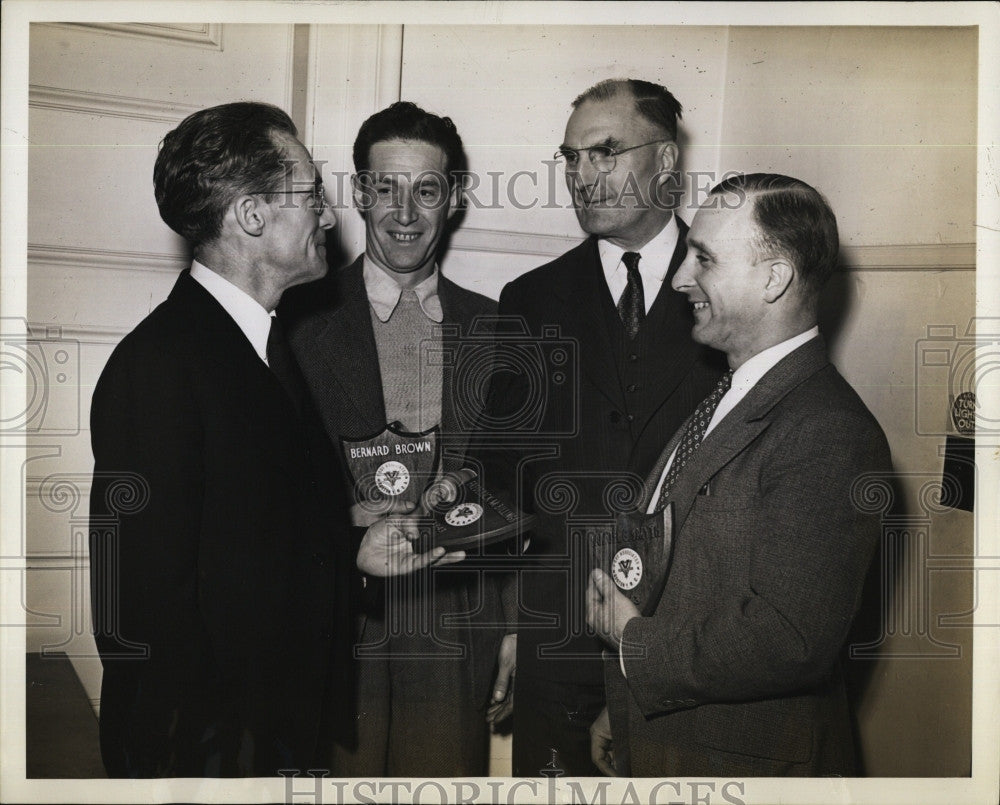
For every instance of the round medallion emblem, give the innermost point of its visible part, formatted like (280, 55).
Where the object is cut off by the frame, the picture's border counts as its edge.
(392, 478)
(464, 514)
(626, 569)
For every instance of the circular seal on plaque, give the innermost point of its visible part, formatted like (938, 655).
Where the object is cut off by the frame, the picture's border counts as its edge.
(963, 413)
(626, 569)
(463, 514)
(392, 478)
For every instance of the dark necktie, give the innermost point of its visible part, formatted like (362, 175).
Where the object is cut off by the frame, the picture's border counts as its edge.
(632, 305)
(282, 363)
(693, 435)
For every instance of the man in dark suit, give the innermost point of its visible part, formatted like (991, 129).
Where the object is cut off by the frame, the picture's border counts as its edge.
(736, 671)
(219, 546)
(389, 349)
(591, 425)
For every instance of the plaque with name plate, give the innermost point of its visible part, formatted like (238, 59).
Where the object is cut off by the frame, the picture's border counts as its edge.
(634, 550)
(393, 468)
(476, 517)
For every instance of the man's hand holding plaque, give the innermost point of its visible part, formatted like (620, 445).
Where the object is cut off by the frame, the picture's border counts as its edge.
(388, 548)
(632, 554)
(608, 609)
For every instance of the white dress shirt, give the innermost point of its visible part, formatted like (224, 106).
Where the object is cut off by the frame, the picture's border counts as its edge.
(744, 379)
(249, 315)
(384, 292)
(654, 261)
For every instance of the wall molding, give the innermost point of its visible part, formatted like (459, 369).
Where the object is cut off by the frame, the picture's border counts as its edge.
(84, 333)
(100, 103)
(56, 561)
(889, 257)
(33, 483)
(388, 83)
(498, 241)
(111, 259)
(206, 35)
(910, 257)
(892, 257)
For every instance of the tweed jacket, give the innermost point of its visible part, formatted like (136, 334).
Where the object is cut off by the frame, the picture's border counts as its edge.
(736, 672)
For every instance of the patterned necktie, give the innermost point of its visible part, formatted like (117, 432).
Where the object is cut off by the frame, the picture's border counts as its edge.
(282, 363)
(632, 305)
(693, 435)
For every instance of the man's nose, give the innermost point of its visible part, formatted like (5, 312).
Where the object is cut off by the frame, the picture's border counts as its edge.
(327, 220)
(587, 175)
(406, 210)
(684, 276)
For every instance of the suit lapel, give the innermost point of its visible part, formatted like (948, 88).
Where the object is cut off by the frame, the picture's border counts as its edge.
(346, 346)
(221, 341)
(457, 324)
(581, 294)
(671, 320)
(751, 417)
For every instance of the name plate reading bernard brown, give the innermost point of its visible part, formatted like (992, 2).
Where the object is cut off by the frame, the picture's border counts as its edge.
(394, 466)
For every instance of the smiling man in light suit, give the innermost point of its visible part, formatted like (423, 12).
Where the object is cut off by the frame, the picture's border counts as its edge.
(373, 355)
(736, 671)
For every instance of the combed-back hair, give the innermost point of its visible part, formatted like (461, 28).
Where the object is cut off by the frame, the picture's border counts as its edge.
(213, 156)
(653, 102)
(407, 121)
(793, 220)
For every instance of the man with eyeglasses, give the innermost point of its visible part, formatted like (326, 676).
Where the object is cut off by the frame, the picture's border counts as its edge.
(639, 376)
(220, 557)
(387, 348)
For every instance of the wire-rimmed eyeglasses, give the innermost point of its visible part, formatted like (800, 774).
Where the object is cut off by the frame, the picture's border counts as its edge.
(317, 202)
(602, 157)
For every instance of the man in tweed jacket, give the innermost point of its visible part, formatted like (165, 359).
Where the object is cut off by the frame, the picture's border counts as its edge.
(736, 672)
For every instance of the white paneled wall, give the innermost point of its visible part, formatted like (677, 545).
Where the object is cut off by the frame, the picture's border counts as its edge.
(99, 257)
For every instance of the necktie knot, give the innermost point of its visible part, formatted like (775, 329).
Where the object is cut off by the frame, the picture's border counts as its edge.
(631, 261)
(725, 383)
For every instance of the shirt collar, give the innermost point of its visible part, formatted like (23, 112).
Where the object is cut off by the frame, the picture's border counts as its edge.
(752, 370)
(656, 255)
(384, 292)
(250, 317)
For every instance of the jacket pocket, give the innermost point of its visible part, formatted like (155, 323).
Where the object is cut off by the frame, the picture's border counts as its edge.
(779, 729)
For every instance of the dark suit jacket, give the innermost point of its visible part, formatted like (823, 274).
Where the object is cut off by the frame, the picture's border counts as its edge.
(217, 538)
(581, 426)
(737, 670)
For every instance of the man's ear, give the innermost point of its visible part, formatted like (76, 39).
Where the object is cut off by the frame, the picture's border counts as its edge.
(668, 188)
(455, 197)
(780, 275)
(668, 156)
(363, 194)
(249, 214)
